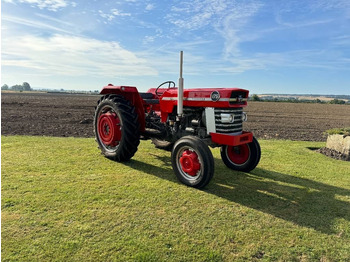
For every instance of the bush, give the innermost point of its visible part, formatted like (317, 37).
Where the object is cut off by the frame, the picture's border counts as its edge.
(337, 101)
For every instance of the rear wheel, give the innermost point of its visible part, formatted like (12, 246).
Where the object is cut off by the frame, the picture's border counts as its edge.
(192, 162)
(116, 128)
(243, 157)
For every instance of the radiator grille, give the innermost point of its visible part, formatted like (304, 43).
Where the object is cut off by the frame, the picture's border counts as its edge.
(235, 127)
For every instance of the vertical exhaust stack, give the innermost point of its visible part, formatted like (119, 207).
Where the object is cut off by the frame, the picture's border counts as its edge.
(180, 91)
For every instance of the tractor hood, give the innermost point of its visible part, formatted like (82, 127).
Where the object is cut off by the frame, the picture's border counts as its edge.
(205, 97)
(213, 97)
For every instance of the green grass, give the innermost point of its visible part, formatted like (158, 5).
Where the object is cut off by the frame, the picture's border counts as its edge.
(339, 131)
(63, 201)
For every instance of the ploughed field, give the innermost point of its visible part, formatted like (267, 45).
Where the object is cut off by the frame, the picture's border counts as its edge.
(55, 114)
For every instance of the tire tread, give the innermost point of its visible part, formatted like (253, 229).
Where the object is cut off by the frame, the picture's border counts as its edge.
(130, 133)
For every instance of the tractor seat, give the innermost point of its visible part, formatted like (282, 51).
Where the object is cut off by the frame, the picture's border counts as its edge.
(149, 98)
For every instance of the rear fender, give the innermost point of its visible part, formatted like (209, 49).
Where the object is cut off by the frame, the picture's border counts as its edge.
(130, 93)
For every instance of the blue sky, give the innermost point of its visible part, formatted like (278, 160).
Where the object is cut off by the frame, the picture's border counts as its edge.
(293, 46)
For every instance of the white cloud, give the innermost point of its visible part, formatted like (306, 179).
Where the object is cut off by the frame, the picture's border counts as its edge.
(300, 59)
(66, 55)
(112, 14)
(109, 17)
(39, 24)
(302, 13)
(196, 14)
(52, 5)
(148, 39)
(116, 12)
(231, 20)
(227, 17)
(149, 7)
(343, 40)
(329, 4)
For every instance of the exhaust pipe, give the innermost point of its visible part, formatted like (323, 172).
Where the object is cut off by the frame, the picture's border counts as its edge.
(180, 91)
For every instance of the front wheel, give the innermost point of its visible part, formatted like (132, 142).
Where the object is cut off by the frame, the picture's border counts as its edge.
(192, 162)
(243, 157)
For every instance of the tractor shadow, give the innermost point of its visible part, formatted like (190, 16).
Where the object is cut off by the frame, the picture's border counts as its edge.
(164, 171)
(302, 201)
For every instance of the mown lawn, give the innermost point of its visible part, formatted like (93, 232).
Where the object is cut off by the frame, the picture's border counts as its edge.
(63, 201)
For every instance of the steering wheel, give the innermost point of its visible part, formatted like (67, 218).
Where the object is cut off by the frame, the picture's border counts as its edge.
(167, 82)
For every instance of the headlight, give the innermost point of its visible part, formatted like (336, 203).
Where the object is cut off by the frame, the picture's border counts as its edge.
(227, 118)
(244, 117)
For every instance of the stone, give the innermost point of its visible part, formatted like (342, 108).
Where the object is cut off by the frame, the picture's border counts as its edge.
(339, 143)
(86, 121)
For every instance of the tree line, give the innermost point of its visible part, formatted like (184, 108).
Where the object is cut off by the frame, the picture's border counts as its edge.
(23, 87)
(296, 100)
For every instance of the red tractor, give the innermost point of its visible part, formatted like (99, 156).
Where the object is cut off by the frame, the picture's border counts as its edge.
(183, 121)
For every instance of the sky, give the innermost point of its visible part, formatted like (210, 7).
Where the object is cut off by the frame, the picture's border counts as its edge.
(271, 46)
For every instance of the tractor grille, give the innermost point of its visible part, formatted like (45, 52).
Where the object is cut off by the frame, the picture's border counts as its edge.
(235, 127)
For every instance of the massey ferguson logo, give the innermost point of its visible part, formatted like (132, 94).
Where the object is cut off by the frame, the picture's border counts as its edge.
(215, 96)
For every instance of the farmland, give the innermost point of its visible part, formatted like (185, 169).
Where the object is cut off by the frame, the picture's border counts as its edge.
(66, 115)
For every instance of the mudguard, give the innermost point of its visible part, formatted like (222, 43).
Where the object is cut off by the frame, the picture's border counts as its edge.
(130, 93)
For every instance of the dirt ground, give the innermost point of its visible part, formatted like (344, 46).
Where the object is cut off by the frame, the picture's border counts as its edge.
(72, 114)
(295, 121)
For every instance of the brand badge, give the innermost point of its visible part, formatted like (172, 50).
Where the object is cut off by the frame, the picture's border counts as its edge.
(215, 96)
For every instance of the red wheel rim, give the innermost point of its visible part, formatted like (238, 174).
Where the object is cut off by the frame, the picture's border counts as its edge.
(238, 154)
(109, 129)
(190, 163)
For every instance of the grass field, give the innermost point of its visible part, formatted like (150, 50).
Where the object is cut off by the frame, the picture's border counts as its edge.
(63, 201)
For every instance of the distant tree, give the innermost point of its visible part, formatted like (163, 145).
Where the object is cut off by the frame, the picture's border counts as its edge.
(17, 87)
(5, 87)
(255, 98)
(26, 86)
(337, 101)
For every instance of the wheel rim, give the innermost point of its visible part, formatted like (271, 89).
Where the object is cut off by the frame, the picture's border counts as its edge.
(109, 129)
(189, 163)
(238, 155)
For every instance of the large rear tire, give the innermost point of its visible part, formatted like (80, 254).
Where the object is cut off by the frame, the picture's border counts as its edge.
(243, 157)
(192, 162)
(116, 128)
